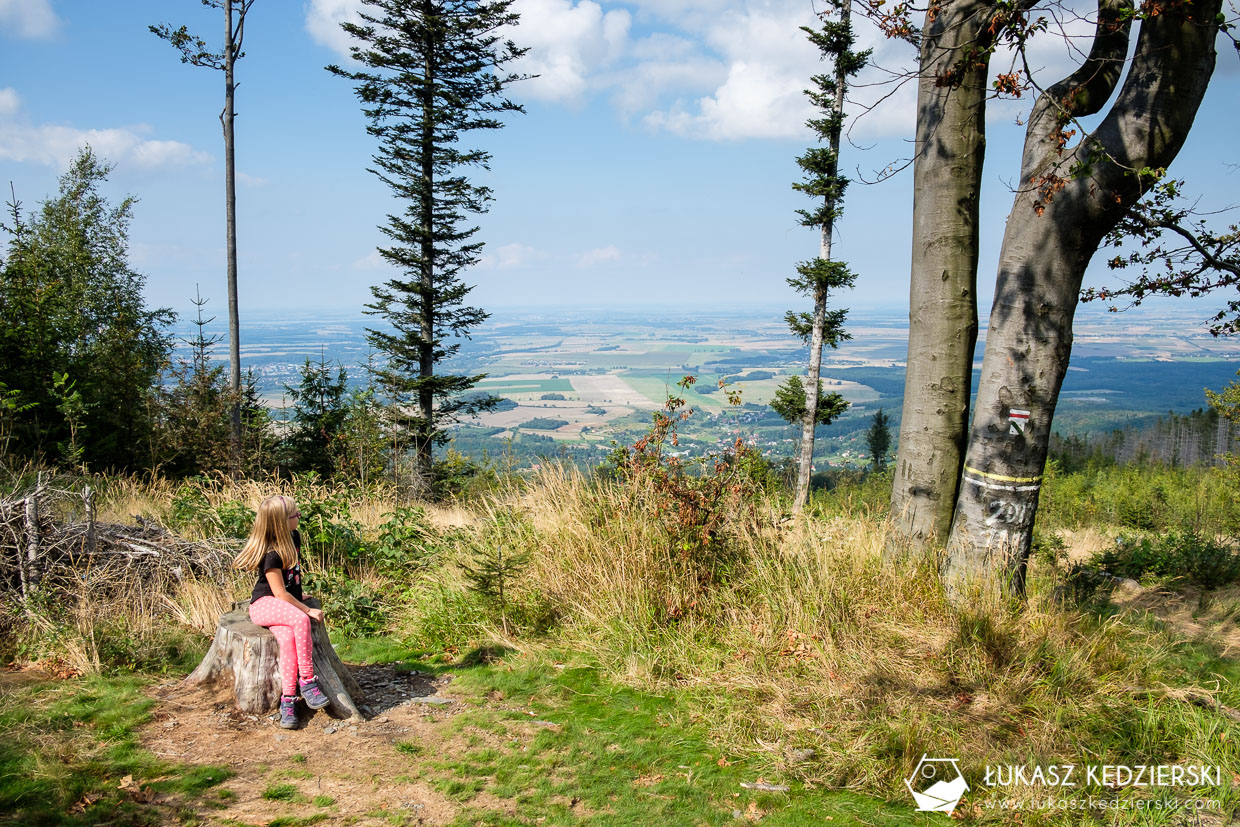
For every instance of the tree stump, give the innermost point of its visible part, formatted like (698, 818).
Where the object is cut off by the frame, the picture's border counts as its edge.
(249, 655)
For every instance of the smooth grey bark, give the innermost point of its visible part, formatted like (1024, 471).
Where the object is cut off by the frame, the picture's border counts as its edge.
(947, 170)
(1068, 199)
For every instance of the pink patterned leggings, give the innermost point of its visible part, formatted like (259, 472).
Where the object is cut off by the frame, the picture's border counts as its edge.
(291, 626)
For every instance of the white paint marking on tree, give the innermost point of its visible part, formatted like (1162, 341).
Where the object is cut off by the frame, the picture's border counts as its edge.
(1018, 422)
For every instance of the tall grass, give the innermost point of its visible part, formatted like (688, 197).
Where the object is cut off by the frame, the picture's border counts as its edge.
(1145, 497)
(790, 636)
(807, 640)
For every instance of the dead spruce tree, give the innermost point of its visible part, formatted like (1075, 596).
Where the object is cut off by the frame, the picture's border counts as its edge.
(194, 51)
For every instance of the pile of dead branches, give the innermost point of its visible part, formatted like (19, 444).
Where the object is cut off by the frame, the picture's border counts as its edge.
(51, 541)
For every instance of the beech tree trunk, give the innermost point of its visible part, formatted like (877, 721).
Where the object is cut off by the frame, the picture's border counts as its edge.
(947, 170)
(1068, 200)
(246, 657)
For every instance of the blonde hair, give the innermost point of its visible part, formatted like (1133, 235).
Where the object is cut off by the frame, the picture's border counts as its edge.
(270, 531)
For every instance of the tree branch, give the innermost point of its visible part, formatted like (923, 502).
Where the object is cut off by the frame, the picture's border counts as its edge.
(1208, 258)
(1082, 93)
(1158, 102)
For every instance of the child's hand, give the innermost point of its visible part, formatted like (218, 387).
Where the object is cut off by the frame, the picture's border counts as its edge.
(316, 614)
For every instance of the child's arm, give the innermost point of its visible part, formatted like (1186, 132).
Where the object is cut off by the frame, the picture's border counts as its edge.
(275, 579)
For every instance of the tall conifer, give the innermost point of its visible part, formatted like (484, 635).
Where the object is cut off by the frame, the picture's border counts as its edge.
(433, 70)
(817, 277)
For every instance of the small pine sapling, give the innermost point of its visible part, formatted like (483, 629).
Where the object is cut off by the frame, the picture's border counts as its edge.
(492, 574)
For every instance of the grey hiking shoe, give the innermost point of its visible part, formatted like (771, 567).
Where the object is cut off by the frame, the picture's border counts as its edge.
(315, 699)
(288, 711)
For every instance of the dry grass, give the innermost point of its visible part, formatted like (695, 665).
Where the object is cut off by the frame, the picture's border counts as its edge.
(198, 603)
(102, 624)
(1084, 543)
(809, 641)
(794, 635)
(151, 498)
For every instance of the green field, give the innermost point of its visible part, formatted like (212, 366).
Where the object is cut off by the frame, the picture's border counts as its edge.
(656, 388)
(499, 386)
(610, 359)
(696, 347)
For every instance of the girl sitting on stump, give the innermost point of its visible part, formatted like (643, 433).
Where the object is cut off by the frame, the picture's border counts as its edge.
(273, 551)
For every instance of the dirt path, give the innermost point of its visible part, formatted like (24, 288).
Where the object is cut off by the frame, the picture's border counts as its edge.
(362, 768)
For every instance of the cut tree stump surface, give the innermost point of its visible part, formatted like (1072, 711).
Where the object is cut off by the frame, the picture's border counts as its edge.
(248, 656)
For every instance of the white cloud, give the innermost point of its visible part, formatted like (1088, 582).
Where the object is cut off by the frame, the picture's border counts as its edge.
(55, 145)
(664, 64)
(510, 256)
(600, 255)
(371, 261)
(568, 43)
(10, 102)
(28, 18)
(323, 19)
(252, 180)
(757, 100)
(716, 69)
(767, 64)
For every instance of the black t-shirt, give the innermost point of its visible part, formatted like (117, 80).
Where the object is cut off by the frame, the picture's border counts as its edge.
(292, 577)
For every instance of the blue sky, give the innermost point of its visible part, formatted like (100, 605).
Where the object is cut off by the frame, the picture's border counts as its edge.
(653, 166)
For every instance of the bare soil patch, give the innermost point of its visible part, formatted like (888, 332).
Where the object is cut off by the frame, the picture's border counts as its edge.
(358, 766)
(1210, 617)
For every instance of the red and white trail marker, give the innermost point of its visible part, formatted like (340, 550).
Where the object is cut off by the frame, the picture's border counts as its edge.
(1018, 422)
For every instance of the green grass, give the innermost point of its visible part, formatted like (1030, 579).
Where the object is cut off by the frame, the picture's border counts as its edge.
(72, 742)
(281, 792)
(607, 755)
(298, 821)
(657, 388)
(376, 650)
(410, 748)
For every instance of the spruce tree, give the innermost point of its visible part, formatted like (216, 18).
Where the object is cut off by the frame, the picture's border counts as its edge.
(433, 70)
(319, 413)
(195, 438)
(878, 438)
(71, 304)
(817, 277)
(256, 428)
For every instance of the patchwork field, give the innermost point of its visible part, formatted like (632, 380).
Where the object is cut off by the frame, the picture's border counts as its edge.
(613, 368)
